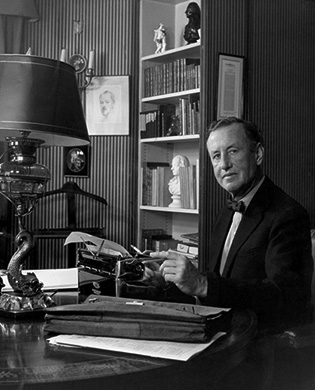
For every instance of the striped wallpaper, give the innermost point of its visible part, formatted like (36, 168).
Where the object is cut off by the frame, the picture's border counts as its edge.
(111, 28)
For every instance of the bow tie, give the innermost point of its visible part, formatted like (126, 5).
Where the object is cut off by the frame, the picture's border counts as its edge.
(236, 205)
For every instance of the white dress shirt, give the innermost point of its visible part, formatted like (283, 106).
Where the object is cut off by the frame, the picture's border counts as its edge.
(237, 217)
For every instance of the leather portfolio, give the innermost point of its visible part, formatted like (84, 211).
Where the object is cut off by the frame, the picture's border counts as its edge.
(140, 319)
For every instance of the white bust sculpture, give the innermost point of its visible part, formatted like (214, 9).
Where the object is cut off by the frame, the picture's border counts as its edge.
(174, 184)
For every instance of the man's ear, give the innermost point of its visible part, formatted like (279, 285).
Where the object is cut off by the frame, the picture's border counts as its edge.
(260, 151)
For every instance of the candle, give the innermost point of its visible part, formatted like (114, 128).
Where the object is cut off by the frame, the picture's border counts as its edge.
(91, 59)
(63, 55)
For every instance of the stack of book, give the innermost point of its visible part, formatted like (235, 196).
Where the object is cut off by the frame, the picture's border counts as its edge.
(179, 75)
(189, 115)
(189, 184)
(157, 123)
(154, 181)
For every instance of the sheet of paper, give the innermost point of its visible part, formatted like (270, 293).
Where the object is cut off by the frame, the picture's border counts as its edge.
(97, 244)
(53, 279)
(159, 349)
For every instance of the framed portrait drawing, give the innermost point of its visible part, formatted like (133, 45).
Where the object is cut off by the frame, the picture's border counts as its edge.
(76, 161)
(230, 98)
(107, 105)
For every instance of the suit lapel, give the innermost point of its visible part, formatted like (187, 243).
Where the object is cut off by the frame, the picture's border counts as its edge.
(246, 227)
(251, 219)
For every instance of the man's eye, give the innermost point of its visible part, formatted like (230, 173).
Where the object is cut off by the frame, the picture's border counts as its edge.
(232, 152)
(215, 157)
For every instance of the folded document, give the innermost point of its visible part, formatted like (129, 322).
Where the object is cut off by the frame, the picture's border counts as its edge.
(128, 318)
(158, 349)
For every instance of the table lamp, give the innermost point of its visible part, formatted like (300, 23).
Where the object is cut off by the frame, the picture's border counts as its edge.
(39, 104)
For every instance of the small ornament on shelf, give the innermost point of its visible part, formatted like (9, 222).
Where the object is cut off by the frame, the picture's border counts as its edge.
(160, 39)
(174, 128)
(192, 12)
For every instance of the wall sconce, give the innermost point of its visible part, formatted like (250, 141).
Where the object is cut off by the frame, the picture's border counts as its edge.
(80, 64)
(39, 103)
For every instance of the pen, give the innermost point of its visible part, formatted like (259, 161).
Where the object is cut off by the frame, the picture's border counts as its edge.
(189, 255)
(137, 250)
(152, 260)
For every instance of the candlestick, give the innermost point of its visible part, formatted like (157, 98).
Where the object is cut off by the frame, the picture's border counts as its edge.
(91, 59)
(63, 55)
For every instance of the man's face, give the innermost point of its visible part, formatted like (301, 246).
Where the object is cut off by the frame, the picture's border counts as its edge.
(78, 163)
(234, 158)
(106, 104)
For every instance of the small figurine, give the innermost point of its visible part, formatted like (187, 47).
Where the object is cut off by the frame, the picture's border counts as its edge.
(174, 127)
(160, 39)
(192, 12)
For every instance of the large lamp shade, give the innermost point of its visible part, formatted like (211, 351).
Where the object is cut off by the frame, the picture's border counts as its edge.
(40, 95)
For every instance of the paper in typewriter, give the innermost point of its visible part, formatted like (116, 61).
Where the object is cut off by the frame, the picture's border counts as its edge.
(97, 245)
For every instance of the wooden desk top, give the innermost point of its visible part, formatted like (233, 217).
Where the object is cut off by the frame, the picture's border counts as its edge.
(27, 361)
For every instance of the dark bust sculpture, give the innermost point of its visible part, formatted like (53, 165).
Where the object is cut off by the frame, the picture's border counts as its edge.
(191, 29)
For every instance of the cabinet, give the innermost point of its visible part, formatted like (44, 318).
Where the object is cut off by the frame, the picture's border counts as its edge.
(169, 123)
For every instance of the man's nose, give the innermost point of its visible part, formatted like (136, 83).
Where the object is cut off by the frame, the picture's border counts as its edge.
(225, 162)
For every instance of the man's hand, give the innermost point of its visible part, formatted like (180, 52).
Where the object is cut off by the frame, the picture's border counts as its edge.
(152, 275)
(178, 269)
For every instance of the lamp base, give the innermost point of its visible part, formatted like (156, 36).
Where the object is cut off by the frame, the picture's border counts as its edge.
(16, 305)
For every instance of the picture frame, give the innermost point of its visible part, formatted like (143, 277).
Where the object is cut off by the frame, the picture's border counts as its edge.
(76, 161)
(230, 99)
(107, 105)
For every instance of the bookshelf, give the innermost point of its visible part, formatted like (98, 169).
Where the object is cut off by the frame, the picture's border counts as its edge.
(169, 124)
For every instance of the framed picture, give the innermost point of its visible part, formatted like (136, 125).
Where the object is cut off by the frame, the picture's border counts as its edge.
(230, 86)
(76, 161)
(107, 105)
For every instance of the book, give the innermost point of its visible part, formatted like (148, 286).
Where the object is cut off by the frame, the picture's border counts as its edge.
(194, 237)
(150, 124)
(163, 243)
(188, 187)
(147, 237)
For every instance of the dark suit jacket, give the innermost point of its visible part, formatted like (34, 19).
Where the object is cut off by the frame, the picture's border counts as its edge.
(269, 267)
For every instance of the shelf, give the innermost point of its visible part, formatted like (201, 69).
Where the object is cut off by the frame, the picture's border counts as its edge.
(191, 51)
(170, 97)
(174, 139)
(170, 78)
(170, 210)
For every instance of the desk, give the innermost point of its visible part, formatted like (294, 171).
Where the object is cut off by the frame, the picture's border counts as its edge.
(27, 361)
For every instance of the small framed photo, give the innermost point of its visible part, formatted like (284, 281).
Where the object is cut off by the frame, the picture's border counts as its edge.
(230, 100)
(76, 161)
(107, 105)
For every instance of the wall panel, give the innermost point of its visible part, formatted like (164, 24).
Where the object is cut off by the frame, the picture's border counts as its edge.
(282, 55)
(224, 30)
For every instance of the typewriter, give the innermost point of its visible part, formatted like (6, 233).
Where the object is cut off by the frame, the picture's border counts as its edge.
(113, 271)
(108, 274)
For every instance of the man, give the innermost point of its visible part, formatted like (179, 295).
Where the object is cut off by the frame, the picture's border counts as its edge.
(260, 256)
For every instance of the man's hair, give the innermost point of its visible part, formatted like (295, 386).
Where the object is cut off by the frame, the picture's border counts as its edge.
(110, 93)
(251, 130)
